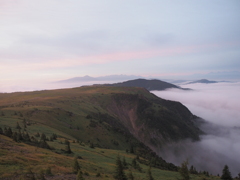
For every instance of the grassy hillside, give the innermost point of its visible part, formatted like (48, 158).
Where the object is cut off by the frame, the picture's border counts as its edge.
(17, 158)
(99, 122)
(112, 114)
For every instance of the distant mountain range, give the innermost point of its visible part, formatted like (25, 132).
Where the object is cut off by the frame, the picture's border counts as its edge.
(134, 81)
(205, 81)
(128, 81)
(100, 78)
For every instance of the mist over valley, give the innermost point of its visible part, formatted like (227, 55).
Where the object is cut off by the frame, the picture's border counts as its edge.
(218, 104)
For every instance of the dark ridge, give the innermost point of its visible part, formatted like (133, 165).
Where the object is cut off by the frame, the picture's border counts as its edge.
(150, 85)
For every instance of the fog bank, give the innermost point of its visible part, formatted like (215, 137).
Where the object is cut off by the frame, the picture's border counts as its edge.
(219, 105)
(39, 85)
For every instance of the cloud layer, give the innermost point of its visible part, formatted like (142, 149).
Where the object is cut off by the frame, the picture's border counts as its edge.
(218, 104)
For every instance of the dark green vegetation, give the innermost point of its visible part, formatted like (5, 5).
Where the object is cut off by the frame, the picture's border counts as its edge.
(226, 175)
(150, 85)
(79, 132)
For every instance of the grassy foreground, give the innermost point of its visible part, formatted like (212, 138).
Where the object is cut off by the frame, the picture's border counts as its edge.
(66, 114)
(17, 158)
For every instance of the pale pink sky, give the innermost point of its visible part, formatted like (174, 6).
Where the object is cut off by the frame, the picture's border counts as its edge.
(54, 40)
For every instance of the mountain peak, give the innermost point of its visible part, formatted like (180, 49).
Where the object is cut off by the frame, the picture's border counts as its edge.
(150, 85)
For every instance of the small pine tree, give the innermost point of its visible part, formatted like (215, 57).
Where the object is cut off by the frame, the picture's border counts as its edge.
(119, 173)
(91, 145)
(184, 171)
(130, 175)
(14, 136)
(26, 137)
(131, 149)
(149, 174)
(9, 132)
(24, 123)
(1, 131)
(124, 163)
(43, 137)
(226, 175)
(67, 148)
(18, 126)
(19, 136)
(44, 144)
(76, 166)
(79, 175)
(134, 163)
(54, 136)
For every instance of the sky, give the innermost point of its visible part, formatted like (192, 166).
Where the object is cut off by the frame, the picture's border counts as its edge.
(219, 106)
(45, 41)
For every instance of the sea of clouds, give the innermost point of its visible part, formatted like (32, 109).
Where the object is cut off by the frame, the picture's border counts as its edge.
(219, 105)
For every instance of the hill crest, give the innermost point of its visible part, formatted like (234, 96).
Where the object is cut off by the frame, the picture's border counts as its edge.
(150, 85)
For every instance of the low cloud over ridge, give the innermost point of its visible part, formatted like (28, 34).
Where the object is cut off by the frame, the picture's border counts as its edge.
(219, 105)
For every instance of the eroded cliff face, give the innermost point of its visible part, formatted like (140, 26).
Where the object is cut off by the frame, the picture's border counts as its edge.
(155, 121)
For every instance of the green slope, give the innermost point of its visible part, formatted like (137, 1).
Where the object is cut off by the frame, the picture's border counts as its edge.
(112, 114)
(112, 119)
(17, 158)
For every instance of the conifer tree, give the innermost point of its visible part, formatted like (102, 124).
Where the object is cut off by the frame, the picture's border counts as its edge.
(24, 123)
(5, 131)
(124, 163)
(9, 132)
(43, 137)
(76, 166)
(79, 175)
(18, 126)
(193, 170)
(130, 175)
(14, 136)
(119, 173)
(37, 135)
(19, 136)
(27, 137)
(67, 148)
(131, 149)
(1, 131)
(184, 171)
(91, 145)
(44, 144)
(134, 163)
(149, 174)
(226, 175)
